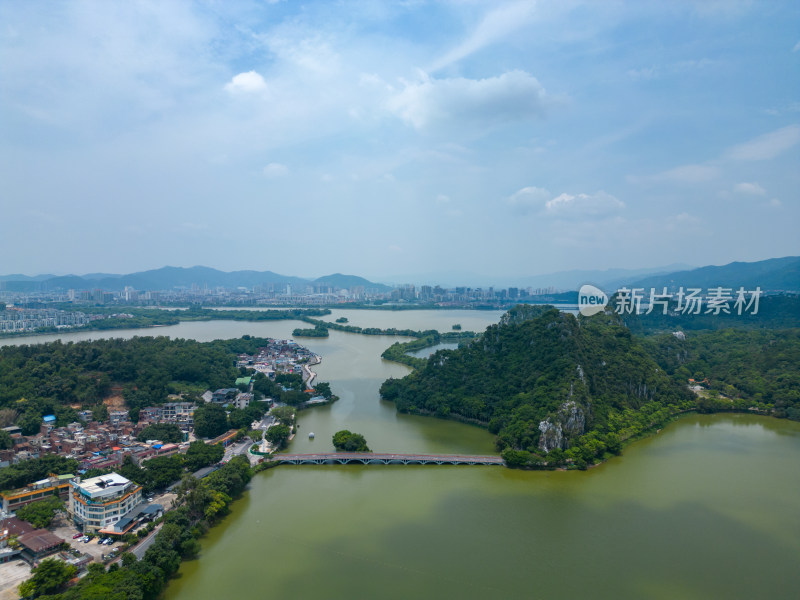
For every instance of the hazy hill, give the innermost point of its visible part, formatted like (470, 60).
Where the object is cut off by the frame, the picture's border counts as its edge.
(351, 281)
(19, 277)
(171, 277)
(774, 274)
(606, 279)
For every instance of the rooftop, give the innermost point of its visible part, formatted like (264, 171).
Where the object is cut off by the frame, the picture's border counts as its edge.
(104, 485)
(39, 540)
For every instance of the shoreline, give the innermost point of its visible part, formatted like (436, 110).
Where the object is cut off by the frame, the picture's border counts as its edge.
(310, 375)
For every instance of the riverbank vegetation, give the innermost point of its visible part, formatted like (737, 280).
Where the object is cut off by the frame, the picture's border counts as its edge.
(130, 317)
(319, 331)
(400, 352)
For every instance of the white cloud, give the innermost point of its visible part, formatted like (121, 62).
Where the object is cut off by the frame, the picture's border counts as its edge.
(749, 189)
(512, 96)
(442, 199)
(565, 206)
(529, 199)
(246, 83)
(796, 47)
(494, 26)
(775, 203)
(766, 146)
(275, 170)
(579, 206)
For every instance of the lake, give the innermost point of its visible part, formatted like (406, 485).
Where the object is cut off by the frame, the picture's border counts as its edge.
(708, 508)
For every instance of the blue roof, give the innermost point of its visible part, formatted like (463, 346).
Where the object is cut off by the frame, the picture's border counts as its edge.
(49, 418)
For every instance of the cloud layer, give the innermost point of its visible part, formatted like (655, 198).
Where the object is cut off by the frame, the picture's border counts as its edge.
(432, 127)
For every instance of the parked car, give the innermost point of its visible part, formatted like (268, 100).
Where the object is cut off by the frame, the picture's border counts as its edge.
(77, 535)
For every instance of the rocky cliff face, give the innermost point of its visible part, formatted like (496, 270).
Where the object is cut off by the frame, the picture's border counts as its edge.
(552, 436)
(569, 423)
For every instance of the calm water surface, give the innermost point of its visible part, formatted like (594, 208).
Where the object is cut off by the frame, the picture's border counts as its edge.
(708, 508)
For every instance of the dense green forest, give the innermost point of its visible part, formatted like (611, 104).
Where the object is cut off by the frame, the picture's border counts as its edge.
(44, 379)
(778, 311)
(550, 385)
(744, 369)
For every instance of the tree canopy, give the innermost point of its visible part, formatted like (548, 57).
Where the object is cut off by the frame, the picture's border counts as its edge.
(348, 441)
(210, 421)
(40, 513)
(165, 432)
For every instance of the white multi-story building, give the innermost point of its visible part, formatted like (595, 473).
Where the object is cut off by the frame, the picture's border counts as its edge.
(99, 502)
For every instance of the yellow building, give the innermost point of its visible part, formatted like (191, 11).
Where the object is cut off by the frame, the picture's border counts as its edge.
(54, 484)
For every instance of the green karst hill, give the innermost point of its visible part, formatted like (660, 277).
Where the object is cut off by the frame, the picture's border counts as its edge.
(552, 386)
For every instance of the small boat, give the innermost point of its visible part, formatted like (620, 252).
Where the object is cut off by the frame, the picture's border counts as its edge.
(311, 435)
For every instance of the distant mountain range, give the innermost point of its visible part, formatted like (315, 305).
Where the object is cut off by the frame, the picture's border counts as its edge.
(606, 279)
(773, 275)
(175, 277)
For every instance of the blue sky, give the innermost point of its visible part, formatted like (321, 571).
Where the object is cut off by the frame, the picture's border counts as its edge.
(396, 139)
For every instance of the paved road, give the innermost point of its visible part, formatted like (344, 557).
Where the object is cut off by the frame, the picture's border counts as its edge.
(142, 547)
(236, 449)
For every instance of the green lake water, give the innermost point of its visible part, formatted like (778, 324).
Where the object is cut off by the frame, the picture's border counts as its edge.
(707, 508)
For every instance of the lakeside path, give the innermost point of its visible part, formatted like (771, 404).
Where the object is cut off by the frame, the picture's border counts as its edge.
(308, 374)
